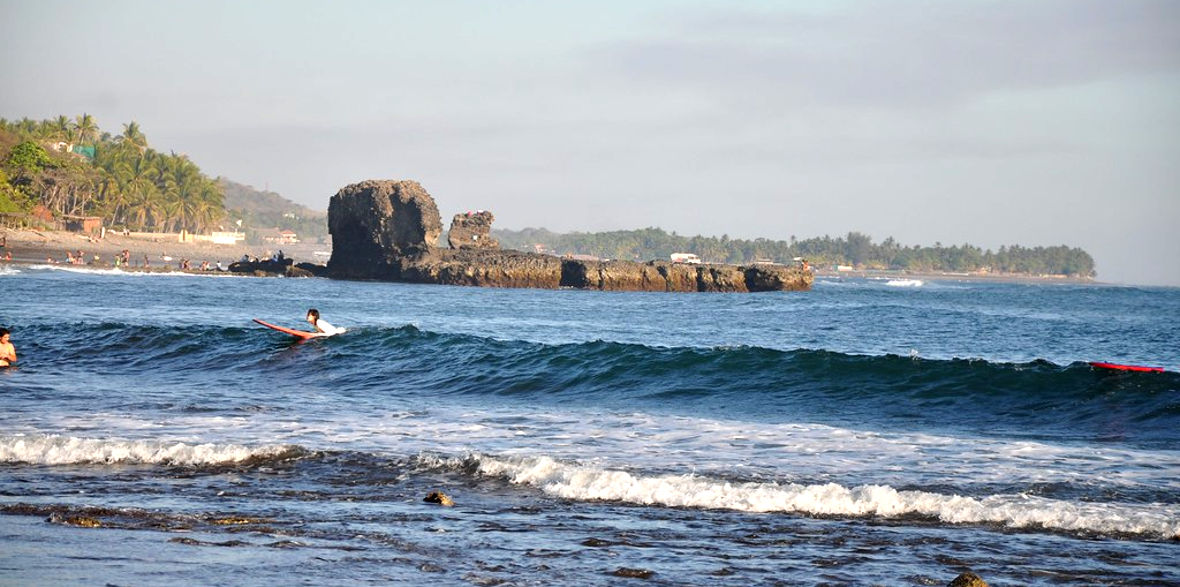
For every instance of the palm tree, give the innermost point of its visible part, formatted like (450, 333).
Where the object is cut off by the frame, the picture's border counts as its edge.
(133, 135)
(61, 128)
(86, 128)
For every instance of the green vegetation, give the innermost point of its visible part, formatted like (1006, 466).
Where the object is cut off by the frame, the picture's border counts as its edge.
(61, 168)
(855, 249)
(268, 210)
(54, 169)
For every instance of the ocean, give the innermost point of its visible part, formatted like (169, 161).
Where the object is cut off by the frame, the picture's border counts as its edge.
(870, 431)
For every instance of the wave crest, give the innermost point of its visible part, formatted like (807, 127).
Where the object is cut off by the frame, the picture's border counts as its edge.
(67, 450)
(589, 483)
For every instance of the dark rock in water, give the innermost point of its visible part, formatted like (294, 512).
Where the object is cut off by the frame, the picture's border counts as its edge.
(472, 230)
(376, 223)
(633, 573)
(968, 580)
(80, 521)
(297, 271)
(386, 230)
(272, 268)
(440, 498)
(313, 269)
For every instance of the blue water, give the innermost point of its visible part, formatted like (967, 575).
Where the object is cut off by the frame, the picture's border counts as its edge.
(865, 432)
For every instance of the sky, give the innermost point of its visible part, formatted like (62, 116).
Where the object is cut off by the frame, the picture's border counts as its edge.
(1031, 122)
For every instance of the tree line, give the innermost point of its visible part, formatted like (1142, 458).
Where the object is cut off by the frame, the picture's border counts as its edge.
(116, 177)
(855, 250)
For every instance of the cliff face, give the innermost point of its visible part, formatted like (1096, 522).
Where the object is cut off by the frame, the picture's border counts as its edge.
(387, 230)
(374, 224)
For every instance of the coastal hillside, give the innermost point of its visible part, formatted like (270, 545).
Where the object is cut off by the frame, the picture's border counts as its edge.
(261, 211)
(67, 172)
(855, 250)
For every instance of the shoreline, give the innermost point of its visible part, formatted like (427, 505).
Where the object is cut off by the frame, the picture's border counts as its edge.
(33, 247)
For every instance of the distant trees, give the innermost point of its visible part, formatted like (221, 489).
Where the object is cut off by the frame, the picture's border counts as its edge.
(126, 183)
(853, 249)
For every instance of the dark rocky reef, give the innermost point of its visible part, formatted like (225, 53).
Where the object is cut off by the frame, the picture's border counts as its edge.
(386, 229)
(472, 230)
(272, 268)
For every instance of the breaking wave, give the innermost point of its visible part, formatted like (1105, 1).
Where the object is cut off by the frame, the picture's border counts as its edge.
(581, 482)
(67, 450)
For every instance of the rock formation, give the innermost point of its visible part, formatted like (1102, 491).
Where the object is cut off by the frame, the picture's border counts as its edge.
(968, 580)
(440, 498)
(387, 230)
(374, 224)
(472, 230)
(272, 268)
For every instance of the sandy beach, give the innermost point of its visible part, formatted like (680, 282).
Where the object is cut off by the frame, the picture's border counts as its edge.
(161, 253)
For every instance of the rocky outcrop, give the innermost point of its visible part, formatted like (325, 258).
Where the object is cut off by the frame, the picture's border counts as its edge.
(482, 267)
(387, 229)
(968, 580)
(676, 277)
(374, 224)
(312, 269)
(472, 230)
(439, 498)
(270, 268)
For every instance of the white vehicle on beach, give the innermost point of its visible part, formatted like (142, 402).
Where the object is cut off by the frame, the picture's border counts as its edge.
(689, 258)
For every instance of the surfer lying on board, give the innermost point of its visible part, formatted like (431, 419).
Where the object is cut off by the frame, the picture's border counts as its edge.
(313, 318)
(7, 351)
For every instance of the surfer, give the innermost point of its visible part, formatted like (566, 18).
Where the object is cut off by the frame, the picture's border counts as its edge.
(7, 351)
(313, 318)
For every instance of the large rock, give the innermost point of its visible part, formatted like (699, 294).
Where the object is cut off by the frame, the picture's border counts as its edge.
(472, 230)
(375, 223)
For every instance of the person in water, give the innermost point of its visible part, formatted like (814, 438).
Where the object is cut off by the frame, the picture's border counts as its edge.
(7, 351)
(313, 318)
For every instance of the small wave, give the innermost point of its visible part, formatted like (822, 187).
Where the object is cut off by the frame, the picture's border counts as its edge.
(905, 283)
(815, 385)
(9, 270)
(66, 450)
(587, 483)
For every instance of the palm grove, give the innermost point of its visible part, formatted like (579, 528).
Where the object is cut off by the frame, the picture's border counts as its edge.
(87, 172)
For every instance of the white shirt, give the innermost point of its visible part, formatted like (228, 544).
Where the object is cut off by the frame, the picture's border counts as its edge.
(326, 328)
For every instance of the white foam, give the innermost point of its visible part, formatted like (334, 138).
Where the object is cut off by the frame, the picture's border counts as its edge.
(66, 450)
(92, 271)
(580, 482)
(9, 270)
(905, 283)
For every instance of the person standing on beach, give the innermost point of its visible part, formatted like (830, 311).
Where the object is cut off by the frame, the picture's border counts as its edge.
(7, 351)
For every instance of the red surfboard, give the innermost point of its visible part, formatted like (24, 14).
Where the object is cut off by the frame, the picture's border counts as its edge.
(1119, 367)
(300, 334)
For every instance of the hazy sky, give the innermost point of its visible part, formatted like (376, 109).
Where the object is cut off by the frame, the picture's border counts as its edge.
(989, 122)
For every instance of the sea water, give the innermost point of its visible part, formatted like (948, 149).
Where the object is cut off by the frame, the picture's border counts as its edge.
(865, 432)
